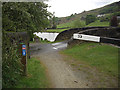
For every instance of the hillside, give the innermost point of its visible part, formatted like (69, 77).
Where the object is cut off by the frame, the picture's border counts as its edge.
(108, 9)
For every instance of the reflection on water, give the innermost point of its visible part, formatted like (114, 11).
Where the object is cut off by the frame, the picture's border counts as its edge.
(45, 35)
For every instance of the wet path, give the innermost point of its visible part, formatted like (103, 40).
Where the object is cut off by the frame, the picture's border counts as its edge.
(60, 73)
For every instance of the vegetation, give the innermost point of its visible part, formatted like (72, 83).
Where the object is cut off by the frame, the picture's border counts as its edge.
(108, 9)
(102, 57)
(66, 25)
(115, 7)
(11, 65)
(105, 18)
(113, 21)
(71, 16)
(17, 17)
(116, 14)
(54, 21)
(54, 26)
(34, 15)
(72, 24)
(56, 30)
(98, 23)
(108, 17)
(36, 77)
(78, 24)
(90, 19)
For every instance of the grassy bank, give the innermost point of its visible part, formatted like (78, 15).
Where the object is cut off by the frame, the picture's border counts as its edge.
(56, 30)
(36, 77)
(103, 57)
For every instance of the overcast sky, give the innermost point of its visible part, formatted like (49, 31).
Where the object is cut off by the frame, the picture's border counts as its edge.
(63, 8)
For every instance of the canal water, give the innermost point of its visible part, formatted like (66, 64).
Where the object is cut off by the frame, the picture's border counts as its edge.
(46, 35)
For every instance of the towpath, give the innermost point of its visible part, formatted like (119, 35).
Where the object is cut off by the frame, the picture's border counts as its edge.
(60, 73)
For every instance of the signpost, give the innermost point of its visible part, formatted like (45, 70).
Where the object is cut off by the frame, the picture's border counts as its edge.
(23, 57)
(24, 50)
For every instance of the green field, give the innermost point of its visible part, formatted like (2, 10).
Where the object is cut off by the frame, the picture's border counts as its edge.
(36, 76)
(102, 57)
(71, 24)
(75, 24)
(98, 23)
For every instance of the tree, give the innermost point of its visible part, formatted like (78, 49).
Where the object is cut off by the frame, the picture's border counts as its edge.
(54, 26)
(18, 17)
(25, 16)
(54, 21)
(113, 21)
(90, 19)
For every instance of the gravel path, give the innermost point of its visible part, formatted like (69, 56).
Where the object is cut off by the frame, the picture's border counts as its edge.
(61, 74)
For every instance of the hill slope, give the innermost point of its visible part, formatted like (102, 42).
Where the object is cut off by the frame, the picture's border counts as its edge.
(108, 9)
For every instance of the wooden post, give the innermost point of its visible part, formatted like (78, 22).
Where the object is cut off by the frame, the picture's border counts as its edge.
(23, 52)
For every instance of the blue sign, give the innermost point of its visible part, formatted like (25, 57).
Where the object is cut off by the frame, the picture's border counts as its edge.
(24, 50)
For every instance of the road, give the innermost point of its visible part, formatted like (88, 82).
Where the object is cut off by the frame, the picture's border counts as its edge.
(60, 73)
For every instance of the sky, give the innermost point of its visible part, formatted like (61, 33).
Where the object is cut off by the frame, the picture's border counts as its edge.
(63, 8)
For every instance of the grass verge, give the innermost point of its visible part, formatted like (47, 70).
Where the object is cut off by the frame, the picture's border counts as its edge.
(36, 76)
(102, 57)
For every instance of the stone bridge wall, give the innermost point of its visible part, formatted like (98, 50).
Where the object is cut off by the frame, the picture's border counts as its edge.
(113, 32)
